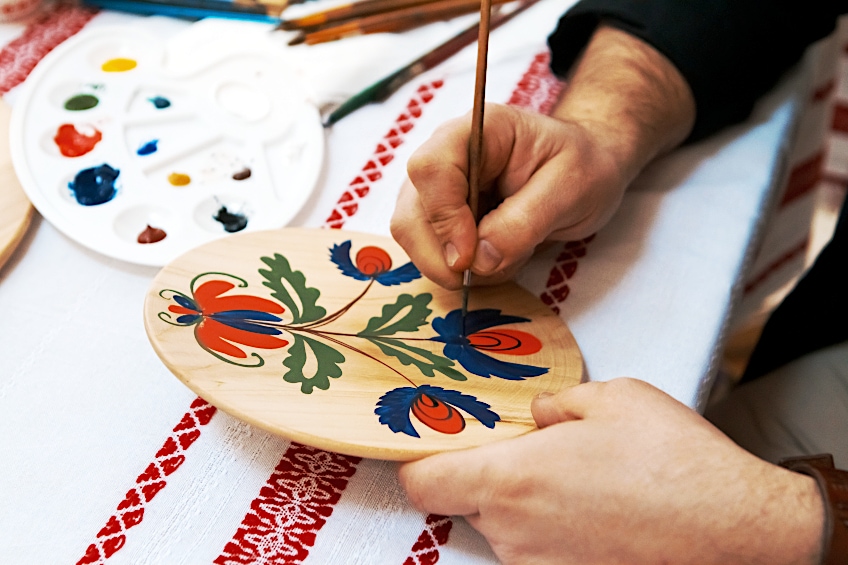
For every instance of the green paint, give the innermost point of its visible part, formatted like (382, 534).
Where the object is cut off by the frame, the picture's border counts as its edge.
(328, 361)
(425, 361)
(414, 310)
(280, 277)
(81, 102)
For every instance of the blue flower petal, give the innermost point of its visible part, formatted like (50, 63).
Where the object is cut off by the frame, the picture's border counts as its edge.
(188, 319)
(254, 315)
(246, 325)
(186, 302)
(468, 403)
(451, 327)
(340, 255)
(404, 273)
(393, 409)
(475, 362)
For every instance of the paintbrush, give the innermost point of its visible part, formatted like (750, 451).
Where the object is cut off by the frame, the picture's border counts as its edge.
(475, 141)
(348, 12)
(381, 90)
(394, 21)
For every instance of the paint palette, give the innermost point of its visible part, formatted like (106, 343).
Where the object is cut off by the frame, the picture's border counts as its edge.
(333, 339)
(141, 162)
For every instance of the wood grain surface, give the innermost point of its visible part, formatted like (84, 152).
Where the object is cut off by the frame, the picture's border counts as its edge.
(201, 318)
(15, 209)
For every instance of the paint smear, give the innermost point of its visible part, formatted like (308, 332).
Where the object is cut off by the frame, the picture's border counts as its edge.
(81, 102)
(160, 102)
(95, 185)
(148, 148)
(179, 179)
(242, 174)
(231, 222)
(151, 235)
(74, 141)
(119, 65)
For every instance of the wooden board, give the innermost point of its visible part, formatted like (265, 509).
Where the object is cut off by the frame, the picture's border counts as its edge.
(332, 339)
(15, 209)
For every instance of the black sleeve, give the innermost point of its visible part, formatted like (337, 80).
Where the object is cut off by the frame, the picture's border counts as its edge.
(731, 52)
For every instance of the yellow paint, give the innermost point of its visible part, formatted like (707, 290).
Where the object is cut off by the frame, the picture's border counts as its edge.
(119, 65)
(179, 179)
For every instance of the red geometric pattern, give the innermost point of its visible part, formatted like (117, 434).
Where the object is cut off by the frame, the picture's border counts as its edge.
(797, 252)
(130, 511)
(19, 57)
(565, 265)
(538, 89)
(803, 178)
(348, 203)
(291, 508)
(425, 550)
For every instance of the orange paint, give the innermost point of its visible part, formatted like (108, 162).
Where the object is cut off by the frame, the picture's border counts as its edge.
(438, 415)
(73, 143)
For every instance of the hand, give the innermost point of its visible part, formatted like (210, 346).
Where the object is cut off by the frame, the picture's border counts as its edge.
(622, 473)
(552, 180)
(556, 178)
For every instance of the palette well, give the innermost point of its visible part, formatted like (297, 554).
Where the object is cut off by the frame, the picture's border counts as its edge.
(334, 339)
(142, 163)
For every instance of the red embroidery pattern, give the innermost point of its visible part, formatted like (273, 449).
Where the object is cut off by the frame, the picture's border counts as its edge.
(425, 551)
(796, 252)
(168, 459)
(565, 265)
(538, 89)
(359, 187)
(291, 508)
(803, 178)
(19, 57)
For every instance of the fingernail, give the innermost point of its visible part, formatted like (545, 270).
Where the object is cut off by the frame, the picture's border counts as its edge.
(451, 254)
(544, 394)
(487, 258)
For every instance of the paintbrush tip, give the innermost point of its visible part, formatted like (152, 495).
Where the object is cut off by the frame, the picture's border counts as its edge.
(297, 39)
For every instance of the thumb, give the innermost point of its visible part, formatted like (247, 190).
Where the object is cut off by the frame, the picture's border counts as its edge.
(574, 403)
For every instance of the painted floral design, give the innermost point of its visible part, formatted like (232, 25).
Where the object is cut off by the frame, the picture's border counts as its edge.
(227, 324)
(434, 407)
(220, 322)
(372, 263)
(464, 340)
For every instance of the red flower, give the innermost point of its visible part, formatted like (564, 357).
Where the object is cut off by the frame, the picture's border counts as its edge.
(222, 321)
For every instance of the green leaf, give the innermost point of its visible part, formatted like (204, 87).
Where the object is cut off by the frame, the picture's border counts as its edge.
(429, 365)
(305, 308)
(327, 360)
(415, 316)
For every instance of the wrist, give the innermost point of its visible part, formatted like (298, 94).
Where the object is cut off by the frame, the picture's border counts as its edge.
(630, 96)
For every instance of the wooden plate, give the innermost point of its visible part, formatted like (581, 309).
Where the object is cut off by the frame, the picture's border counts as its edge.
(15, 209)
(333, 339)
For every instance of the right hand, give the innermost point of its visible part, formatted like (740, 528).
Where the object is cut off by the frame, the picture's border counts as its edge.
(551, 179)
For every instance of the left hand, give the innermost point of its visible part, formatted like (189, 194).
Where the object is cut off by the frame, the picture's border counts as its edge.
(622, 473)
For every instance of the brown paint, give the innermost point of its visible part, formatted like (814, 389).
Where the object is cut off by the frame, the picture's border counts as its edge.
(151, 235)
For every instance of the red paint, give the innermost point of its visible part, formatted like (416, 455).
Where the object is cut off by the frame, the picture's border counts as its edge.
(508, 341)
(151, 235)
(437, 415)
(75, 143)
(372, 261)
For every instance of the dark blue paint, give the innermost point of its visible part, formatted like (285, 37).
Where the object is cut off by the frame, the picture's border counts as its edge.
(232, 222)
(148, 148)
(160, 102)
(95, 185)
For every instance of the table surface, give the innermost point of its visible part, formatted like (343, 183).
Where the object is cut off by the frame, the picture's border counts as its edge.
(108, 457)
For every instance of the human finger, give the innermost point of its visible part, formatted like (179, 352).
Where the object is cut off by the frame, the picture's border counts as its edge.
(447, 483)
(412, 231)
(439, 172)
(573, 403)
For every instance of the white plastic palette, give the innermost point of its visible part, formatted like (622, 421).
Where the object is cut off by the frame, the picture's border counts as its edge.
(234, 144)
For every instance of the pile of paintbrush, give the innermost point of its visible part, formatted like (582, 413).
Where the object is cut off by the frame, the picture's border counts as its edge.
(374, 16)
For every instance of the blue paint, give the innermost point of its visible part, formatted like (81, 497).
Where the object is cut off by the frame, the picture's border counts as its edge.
(148, 148)
(160, 102)
(95, 185)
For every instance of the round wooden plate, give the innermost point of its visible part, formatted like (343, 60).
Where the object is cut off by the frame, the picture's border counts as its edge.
(334, 340)
(15, 209)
